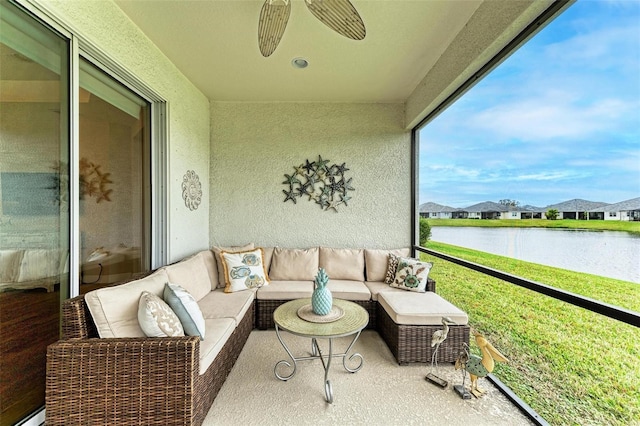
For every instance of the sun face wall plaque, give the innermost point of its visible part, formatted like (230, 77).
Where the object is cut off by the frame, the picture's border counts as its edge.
(326, 185)
(191, 190)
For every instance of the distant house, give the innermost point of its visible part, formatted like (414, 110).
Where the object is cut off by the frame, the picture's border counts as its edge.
(435, 211)
(624, 210)
(571, 209)
(579, 209)
(487, 210)
(531, 212)
(460, 214)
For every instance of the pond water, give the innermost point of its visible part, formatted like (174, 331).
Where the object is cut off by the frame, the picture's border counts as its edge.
(604, 253)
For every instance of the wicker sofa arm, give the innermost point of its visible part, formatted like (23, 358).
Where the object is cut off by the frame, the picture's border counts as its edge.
(121, 381)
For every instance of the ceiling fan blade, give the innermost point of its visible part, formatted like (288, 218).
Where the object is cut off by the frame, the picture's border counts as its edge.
(340, 16)
(273, 21)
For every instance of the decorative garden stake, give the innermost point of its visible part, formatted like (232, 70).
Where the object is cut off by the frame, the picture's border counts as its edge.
(478, 367)
(461, 363)
(437, 338)
(321, 300)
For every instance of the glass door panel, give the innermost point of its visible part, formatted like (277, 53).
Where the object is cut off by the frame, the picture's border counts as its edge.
(114, 180)
(34, 205)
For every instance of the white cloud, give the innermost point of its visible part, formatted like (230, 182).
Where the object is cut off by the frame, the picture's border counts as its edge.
(557, 120)
(554, 175)
(554, 115)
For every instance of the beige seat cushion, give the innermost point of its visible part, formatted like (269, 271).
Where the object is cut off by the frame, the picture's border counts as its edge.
(115, 309)
(376, 262)
(216, 252)
(218, 304)
(376, 287)
(294, 264)
(285, 290)
(342, 264)
(410, 308)
(349, 290)
(192, 275)
(218, 332)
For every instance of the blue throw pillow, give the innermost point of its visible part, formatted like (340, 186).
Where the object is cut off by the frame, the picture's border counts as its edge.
(186, 308)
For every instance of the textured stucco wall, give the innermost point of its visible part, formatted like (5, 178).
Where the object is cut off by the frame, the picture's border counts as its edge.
(254, 144)
(104, 24)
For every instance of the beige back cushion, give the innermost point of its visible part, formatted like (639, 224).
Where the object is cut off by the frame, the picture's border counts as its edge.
(39, 263)
(267, 255)
(294, 264)
(210, 262)
(216, 251)
(10, 265)
(115, 309)
(342, 264)
(192, 275)
(376, 262)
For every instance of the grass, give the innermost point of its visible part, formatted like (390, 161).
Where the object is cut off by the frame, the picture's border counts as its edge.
(570, 365)
(594, 225)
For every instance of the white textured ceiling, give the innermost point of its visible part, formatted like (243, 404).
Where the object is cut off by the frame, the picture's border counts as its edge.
(214, 43)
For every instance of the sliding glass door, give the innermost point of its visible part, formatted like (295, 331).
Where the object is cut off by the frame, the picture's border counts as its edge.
(114, 180)
(34, 205)
(75, 212)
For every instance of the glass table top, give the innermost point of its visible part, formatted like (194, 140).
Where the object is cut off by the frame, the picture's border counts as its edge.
(355, 319)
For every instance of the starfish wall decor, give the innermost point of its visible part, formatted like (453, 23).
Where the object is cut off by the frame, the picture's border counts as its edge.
(324, 184)
(94, 182)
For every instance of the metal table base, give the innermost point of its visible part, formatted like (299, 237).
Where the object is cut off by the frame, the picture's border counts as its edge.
(316, 353)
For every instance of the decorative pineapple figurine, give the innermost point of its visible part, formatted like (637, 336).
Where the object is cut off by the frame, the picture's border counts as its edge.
(321, 300)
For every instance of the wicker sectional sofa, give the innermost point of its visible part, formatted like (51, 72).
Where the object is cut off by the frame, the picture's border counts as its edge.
(105, 371)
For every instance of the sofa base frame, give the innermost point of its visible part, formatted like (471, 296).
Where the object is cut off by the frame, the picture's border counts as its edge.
(412, 343)
(130, 381)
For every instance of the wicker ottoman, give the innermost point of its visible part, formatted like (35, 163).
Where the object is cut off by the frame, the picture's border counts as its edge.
(407, 320)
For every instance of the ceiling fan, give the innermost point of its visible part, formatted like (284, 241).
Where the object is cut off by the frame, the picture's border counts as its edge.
(339, 15)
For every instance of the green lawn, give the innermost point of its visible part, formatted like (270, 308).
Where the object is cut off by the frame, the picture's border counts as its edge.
(570, 365)
(599, 225)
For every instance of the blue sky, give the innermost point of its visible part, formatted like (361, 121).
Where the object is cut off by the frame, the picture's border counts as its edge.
(559, 119)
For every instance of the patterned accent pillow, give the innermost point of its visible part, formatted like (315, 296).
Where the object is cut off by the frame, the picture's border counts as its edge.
(156, 317)
(412, 274)
(186, 308)
(392, 266)
(244, 270)
(216, 253)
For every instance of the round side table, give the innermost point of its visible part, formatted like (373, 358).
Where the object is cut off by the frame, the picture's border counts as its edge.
(354, 320)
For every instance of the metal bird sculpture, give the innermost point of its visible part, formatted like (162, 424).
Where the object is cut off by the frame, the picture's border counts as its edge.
(478, 367)
(437, 338)
(339, 15)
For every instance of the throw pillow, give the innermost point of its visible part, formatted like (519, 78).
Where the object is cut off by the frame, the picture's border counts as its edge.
(186, 308)
(216, 252)
(412, 275)
(376, 261)
(392, 267)
(156, 317)
(244, 270)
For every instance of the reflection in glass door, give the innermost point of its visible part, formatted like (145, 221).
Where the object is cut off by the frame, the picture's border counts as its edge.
(114, 180)
(34, 205)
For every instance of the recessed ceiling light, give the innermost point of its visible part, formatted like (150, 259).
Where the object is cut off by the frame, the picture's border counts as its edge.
(299, 63)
